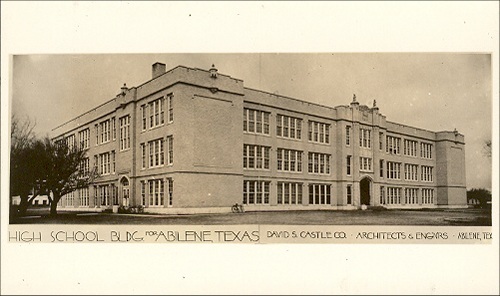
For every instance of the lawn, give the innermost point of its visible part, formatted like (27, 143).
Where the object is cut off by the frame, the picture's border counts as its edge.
(443, 217)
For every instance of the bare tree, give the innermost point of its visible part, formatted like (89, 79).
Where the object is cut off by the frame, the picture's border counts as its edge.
(22, 158)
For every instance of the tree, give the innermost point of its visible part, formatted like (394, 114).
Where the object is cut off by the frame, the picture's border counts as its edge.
(23, 159)
(63, 170)
(480, 194)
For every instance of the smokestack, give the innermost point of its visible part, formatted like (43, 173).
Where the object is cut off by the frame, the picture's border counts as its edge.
(158, 69)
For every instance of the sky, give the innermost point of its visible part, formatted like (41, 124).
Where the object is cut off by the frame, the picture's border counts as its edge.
(434, 91)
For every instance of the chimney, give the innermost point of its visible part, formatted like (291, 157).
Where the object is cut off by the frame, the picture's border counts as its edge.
(158, 69)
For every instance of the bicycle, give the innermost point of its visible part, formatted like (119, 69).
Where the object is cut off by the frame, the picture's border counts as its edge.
(236, 208)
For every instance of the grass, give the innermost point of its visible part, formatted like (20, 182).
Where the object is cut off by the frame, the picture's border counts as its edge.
(442, 217)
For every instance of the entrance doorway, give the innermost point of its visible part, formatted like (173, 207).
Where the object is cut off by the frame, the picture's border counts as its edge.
(364, 187)
(125, 192)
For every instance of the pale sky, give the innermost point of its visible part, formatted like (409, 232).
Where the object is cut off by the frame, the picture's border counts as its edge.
(431, 91)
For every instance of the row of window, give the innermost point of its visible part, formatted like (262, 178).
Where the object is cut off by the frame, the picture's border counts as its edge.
(288, 193)
(393, 195)
(105, 163)
(155, 111)
(153, 153)
(153, 192)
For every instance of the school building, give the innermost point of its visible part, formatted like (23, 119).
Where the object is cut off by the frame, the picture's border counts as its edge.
(193, 140)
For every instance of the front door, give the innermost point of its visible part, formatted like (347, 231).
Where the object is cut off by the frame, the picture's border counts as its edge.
(364, 187)
(125, 192)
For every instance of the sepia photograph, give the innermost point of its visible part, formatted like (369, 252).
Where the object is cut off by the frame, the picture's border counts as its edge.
(257, 138)
(225, 148)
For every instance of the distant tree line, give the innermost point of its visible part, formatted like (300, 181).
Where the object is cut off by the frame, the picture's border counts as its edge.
(42, 166)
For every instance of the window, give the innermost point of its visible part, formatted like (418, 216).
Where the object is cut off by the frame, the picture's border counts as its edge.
(156, 192)
(392, 145)
(255, 157)
(289, 160)
(365, 164)
(104, 163)
(104, 195)
(411, 172)
(113, 162)
(143, 153)
(411, 196)
(348, 135)
(288, 127)
(70, 141)
(105, 129)
(348, 160)
(143, 193)
(84, 138)
(381, 141)
(156, 112)
(255, 121)
(170, 141)
(113, 123)
(410, 147)
(319, 163)
(144, 112)
(382, 195)
(393, 195)
(84, 197)
(125, 132)
(96, 127)
(289, 193)
(427, 196)
(365, 138)
(319, 132)
(255, 192)
(156, 156)
(170, 182)
(85, 167)
(319, 194)
(349, 194)
(381, 168)
(426, 173)
(170, 100)
(393, 170)
(426, 150)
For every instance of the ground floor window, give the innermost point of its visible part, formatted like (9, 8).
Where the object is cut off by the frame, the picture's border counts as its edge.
(289, 193)
(393, 195)
(69, 199)
(156, 193)
(84, 197)
(411, 196)
(382, 195)
(255, 192)
(319, 194)
(427, 196)
(349, 194)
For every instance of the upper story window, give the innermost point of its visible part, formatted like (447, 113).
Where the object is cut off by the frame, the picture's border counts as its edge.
(288, 127)
(156, 112)
(125, 132)
(393, 145)
(381, 141)
(411, 172)
(84, 138)
(319, 132)
(105, 132)
(255, 121)
(156, 155)
(319, 163)
(256, 157)
(426, 173)
(170, 106)
(71, 141)
(426, 150)
(410, 147)
(393, 170)
(348, 135)
(365, 138)
(289, 160)
(365, 164)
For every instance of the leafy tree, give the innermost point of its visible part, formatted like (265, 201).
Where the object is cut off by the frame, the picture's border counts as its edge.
(481, 194)
(61, 162)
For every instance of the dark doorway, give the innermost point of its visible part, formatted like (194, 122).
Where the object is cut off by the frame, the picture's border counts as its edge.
(364, 187)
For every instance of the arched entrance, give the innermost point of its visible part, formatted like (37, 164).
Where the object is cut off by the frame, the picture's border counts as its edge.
(125, 191)
(365, 191)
